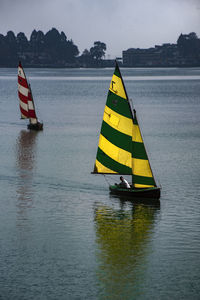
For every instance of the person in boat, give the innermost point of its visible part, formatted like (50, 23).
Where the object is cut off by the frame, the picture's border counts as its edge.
(124, 183)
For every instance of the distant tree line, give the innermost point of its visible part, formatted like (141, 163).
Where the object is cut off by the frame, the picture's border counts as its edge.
(53, 49)
(50, 49)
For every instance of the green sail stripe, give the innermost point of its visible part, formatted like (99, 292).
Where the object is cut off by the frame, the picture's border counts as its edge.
(143, 180)
(112, 164)
(138, 151)
(116, 137)
(135, 122)
(123, 141)
(117, 72)
(119, 105)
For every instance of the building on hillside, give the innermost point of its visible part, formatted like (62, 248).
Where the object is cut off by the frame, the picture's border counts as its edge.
(159, 56)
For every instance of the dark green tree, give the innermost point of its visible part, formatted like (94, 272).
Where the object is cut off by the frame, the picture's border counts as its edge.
(98, 50)
(86, 59)
(4, 50)
(37, 42)
(11, 44)
(71, 51)
(52, 41)
(22, 43)
(59, 48)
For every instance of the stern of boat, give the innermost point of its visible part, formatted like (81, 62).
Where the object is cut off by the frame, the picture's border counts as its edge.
(38, 126)
(151, 193)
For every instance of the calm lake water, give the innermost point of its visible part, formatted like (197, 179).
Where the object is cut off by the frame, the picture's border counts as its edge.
(62, 235)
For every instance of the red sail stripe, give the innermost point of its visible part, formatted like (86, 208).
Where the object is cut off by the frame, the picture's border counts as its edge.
(24, 112)
(30, 96)
(31, 111)
(32, 114)
(23, 98)
(23, 82)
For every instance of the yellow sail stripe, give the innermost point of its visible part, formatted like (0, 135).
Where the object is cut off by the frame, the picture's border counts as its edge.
(141, 167)
(102, 169)
(116, 87)
(121, 156)
(118, 121)
(136, 134)
(142, 185)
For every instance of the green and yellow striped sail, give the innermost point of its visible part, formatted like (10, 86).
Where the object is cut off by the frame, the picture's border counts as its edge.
(141, 169)
(121, 149)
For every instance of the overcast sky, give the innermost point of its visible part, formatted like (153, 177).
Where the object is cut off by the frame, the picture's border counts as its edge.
(121, 24)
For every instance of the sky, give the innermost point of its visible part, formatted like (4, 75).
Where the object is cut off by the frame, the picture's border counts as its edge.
(120, 24)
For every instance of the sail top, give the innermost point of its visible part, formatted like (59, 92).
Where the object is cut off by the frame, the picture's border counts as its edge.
(121, 149)
(26, 103)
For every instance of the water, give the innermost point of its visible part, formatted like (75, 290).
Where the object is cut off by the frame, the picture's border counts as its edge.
(62, 236)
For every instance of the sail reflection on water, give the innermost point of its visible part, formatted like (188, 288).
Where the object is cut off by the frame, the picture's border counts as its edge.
(25, 160)
(123, 238)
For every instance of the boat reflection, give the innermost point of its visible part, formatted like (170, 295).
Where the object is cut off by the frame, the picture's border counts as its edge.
(145, 201)
(124, 240)
(25, 160)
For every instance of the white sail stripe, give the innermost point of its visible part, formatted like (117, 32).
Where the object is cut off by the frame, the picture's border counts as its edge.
(24, 106)
(33, 121)
(23, 116)
(30, 105)
(24, 91)
(21, 73)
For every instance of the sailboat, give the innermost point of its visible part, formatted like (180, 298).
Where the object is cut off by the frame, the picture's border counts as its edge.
(121, 149)
(26, 103)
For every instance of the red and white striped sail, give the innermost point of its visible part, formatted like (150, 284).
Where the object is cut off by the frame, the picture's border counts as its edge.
(26, 103)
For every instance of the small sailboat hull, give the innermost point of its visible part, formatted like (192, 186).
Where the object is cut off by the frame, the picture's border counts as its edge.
(38, 126)
(149, 193)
